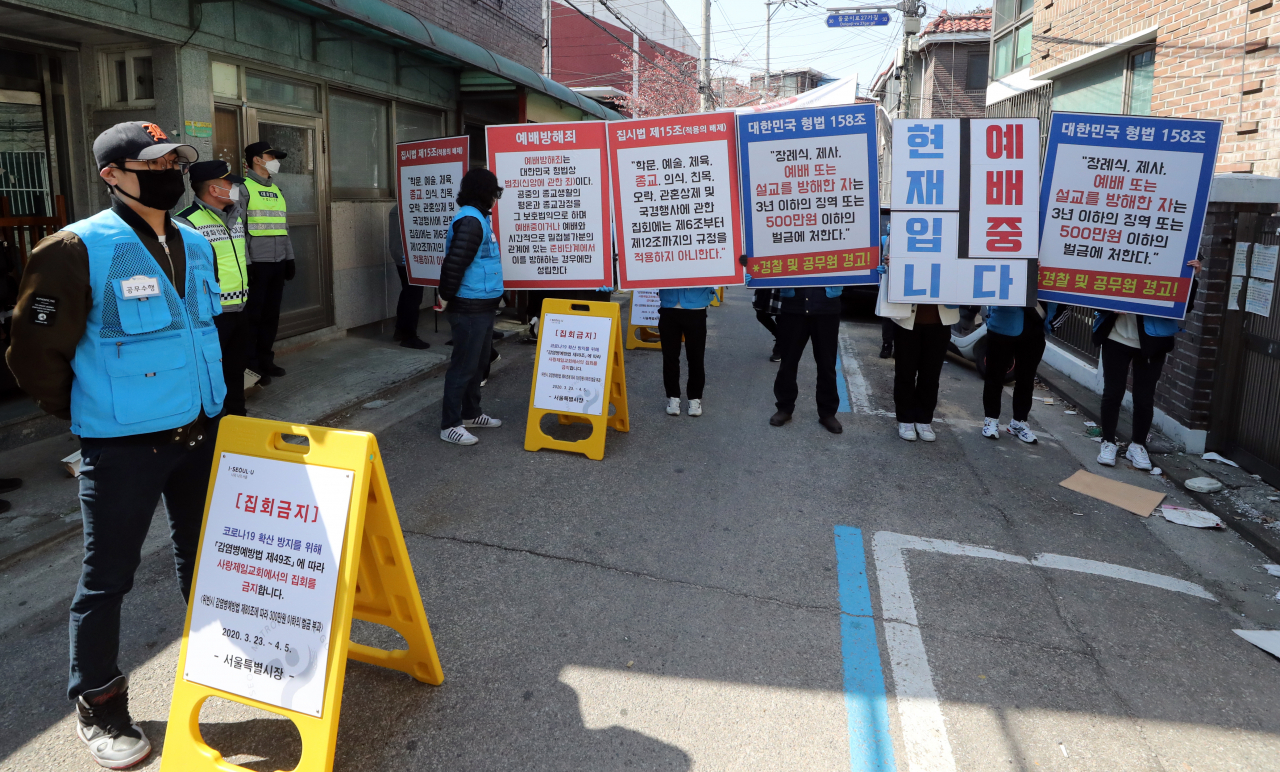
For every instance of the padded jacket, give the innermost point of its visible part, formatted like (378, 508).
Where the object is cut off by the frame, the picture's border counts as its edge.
(467, 235)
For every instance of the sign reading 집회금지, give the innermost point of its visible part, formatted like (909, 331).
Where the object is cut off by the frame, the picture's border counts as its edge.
(429, 172)
(572, 354)
(1121, 207)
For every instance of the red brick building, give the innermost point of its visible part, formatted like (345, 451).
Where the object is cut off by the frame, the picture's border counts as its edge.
(948, 73)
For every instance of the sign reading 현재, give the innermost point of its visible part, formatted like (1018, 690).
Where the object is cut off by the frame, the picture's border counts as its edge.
(811, 190)
(1121, 209)
(552, 223)
(675, 192)
(644, 308)
(572, 356)
(429, 172)
(262, 605)
(926, 164)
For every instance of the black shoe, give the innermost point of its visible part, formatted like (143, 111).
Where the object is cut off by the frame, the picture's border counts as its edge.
(449, 342)
(830, 423)
(886, 351)
(400, 335)
(529, 340)
(779, 418)
(275, 370)
(264, 380)
(494, 356)
(105, 726)
(499, 335)
(9, 484)
(414, 342)
(776, 356)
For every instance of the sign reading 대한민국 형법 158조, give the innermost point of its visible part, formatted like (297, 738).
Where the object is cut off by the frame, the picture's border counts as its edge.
(552, 223)
(676, 207)
(429, 172)
(1121, 209)
(810, 187)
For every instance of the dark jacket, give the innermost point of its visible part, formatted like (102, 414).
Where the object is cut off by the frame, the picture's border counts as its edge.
(809, 300)
(467, 235)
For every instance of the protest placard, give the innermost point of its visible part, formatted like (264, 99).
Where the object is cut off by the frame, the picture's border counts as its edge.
(676, 206)
(1121, 210)
(552, 223)
(429, 172)
(810, 188)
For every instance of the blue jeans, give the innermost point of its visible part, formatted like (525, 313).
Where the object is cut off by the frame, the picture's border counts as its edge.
(120, 485)
(472, 340)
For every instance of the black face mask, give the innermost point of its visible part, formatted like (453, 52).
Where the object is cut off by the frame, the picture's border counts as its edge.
(157, 190)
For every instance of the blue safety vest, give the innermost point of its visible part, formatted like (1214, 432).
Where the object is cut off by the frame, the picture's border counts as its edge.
(483, 278)
(147, 362)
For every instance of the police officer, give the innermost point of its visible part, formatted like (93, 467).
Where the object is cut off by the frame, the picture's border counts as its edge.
(114, 330)
(219, 216)
(270, 256)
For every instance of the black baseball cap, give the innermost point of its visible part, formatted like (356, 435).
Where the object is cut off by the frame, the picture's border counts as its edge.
(258, 148)
(212, 170)
(137, 141)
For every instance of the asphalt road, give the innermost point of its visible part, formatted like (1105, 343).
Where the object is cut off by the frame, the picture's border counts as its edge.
(685, 604)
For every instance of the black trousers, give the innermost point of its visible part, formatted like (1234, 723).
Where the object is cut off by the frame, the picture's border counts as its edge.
(468, 366)
(1024, 352)
(765, 318)
(408, 305)
(917, 357)
(794, 332)
(233, 335)
(887, 326)
(1116, 360)
(266, 292)
(691, 324)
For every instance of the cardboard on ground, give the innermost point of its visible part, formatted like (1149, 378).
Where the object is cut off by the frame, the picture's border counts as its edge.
(1139, 501)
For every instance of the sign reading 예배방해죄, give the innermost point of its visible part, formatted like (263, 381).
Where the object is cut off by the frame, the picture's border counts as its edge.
(1121, 207)
(810, 190)
(552, 223)
(675, 192)
(429, 172)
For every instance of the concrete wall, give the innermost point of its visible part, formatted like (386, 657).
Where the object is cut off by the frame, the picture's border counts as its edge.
(365, 283)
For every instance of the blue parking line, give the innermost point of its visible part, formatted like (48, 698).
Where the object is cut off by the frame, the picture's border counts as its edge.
(870, 744)
(841, 388)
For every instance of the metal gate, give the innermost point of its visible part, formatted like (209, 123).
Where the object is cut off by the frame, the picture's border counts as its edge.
(1245, 419)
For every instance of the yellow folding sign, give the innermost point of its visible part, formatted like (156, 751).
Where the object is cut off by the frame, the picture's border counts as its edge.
(297, 541)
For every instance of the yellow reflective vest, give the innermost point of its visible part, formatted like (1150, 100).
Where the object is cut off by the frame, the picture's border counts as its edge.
(228, 250)
(265, 209)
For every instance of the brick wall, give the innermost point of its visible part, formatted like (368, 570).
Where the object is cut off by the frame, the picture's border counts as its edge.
(512, 28)
(946, 65)
(1215, 59)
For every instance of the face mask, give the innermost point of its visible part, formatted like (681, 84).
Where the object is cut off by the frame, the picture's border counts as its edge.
(233, 194)
(273, 166)
(158, 190)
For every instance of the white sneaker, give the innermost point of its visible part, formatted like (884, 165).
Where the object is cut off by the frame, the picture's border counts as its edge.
(1022, 431)
(695, 407)
(991, 428)
(907, 432)
(1137, 456)
(673, 406)
(1107, 454)
(481, 421)
(925, 432)
(458, 436)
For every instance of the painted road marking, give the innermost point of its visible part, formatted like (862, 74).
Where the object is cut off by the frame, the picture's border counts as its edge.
(841, 388)
(855, 394)
(870, 743)
(924, 735)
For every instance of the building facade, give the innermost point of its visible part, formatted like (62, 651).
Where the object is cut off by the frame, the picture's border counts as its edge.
(948, 71)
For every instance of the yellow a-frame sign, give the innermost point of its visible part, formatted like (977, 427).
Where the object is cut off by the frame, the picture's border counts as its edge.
(375, 584)
(640, 335)
(614, 380)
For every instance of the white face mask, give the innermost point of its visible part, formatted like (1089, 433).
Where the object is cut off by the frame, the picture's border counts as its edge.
(273, 166)
(234, 193)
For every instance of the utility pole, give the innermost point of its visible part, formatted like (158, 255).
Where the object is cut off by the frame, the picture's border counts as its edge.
(769, 11)
(546, 38)
(912, 11)
(635, 74)
(704, 75)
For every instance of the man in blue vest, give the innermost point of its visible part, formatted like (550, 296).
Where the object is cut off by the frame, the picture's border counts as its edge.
(470, 288)
(114, 330)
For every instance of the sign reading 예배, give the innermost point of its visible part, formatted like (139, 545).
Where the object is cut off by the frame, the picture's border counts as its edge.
(1121, 210)
(811, 189)
(262, 605)
(572, 355)
(429, 172)
(676, 208)
(553, 220)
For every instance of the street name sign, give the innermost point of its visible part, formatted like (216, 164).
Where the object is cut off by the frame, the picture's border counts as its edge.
(857, 20)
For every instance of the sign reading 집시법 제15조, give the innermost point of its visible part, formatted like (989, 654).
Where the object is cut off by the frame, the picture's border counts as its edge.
(676, 208)
(1122, 205)
(810, 187)
(429, 172)
(552, 223)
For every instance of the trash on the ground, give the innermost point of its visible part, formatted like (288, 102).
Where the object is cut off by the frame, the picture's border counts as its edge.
(1078, 514)
(1139, 501)
(72, 464)
(1196, 518)
(1272, 568)
(1045, 400)
(1267, 640)
(1273, 498)
(1203, 485)
(1089, 423)
(1256, 476)
(1156, 471)
(1093, 431)
(1068, 412)
(1097, 439)
(1211, 456)
(377, 403)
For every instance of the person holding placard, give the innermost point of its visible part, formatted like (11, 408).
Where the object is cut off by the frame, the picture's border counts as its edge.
(767, 305)
(1142, 342)
(682, 316)
(470, 289)
(919, 347)
(809, 313)
(1015, 337)
(410, 299)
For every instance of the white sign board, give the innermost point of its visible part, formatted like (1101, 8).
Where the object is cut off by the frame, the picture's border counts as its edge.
(926, 163)
(958, 282)
(933, 235)
(1264, 261)
(262, 604)
(429, 173)
(644, 308)
(572, 353)
(1004, 187)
